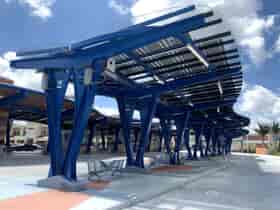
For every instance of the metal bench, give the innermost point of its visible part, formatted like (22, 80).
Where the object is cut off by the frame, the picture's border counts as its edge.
(97, 168)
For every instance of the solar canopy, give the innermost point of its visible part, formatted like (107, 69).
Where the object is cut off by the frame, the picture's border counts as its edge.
(159, 57)
(185, 59)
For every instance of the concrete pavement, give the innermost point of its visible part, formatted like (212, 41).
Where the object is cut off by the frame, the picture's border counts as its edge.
(241, 183)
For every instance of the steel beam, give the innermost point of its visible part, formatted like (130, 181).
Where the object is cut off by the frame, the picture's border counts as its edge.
(8, 132)
(56, 87)
(146, 114)
(180, 83)
(187, 143)
(181, 123)
(91, 133)
(81, 120)
(84, 58)
(117, 139)
(126, 111)
(166, 130)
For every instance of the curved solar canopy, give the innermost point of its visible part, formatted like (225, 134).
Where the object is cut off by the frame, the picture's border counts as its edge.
(187, 57)
(182, 67)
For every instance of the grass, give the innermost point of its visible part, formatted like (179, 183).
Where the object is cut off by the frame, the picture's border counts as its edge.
(276, 153)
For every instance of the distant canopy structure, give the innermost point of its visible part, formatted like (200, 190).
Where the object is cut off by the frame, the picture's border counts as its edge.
(182, 67)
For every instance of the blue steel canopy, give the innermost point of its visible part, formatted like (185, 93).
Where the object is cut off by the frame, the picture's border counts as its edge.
(181, 66)
(188, 73)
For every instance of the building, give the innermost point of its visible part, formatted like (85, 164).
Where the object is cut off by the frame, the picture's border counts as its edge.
(23, 133)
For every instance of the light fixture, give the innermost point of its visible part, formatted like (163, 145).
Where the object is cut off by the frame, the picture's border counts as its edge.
(158, 79)
(218, 109)
(196, 54)
(88, 76)
(220, 87)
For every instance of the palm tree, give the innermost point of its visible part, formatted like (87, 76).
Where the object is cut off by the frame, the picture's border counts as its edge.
(262, 130)
(275, 130)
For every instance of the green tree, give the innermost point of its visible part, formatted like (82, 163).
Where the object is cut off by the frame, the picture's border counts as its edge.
(275, 130)
(262, 130)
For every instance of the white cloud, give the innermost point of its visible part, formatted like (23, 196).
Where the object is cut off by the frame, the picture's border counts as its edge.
(277, 45)
(39, 8)
(24, 78)
(260, 104)
(242, 17)
(120, 8)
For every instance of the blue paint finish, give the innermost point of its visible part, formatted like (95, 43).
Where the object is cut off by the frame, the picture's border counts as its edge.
(84, 58)
(130, 31)
(166, 132)
(117, 139)
(55, 92)
(91, 128)
(126, 113)
(8, 131)
(214, 141)
(207, 139)
(160, 141)
(103, 143)
(203, 128)
(187, 143)
(197, 141)
(130, 95)
(80, 122)
(181, 125)
(179, 83)
(146, 114)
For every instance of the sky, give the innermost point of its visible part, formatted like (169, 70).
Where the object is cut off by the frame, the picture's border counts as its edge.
(36, 24)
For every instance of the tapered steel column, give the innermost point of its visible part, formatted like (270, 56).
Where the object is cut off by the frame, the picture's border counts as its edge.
(166, 133)
(84, 107)
(126, 113)
(92, 128)
(181, 124)
(56, 84)
(117, 139)
(146, 114)
(8, 131)
(187, 143)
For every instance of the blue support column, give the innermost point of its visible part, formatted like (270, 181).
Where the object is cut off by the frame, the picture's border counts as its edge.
(136, 137)
(81, 119)
(229, 145)
(149, 142)
(200, 140)
(166, 133)
(117, 139)
(160, 141)
(90, 136)
(187, 143)
(103, 143)
(146, 114)
(57, 82)
(207, 139)
(214, 142)
(126, 113)
(219, 145)
(181, 124)
(8, 131)
(197, 142)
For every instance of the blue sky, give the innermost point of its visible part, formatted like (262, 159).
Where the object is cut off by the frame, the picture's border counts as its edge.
(33, 24)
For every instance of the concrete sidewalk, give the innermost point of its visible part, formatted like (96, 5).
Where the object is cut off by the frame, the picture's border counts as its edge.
(125, 190)
(243, 182)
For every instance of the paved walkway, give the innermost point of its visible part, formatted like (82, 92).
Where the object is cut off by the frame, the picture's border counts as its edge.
(247, 183)
(244, 182)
